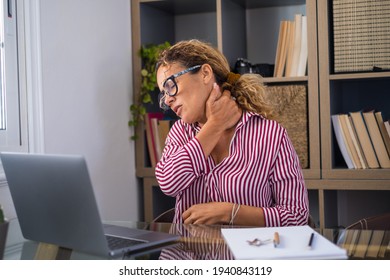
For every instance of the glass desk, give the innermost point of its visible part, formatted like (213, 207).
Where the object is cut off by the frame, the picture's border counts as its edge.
(197, 242)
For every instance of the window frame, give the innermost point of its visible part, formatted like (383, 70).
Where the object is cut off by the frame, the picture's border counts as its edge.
(14, 136)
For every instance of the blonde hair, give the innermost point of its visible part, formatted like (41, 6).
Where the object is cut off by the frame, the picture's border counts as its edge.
(248, 89)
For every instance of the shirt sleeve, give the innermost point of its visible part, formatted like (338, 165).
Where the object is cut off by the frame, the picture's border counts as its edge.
(182, 161)
(290, 194)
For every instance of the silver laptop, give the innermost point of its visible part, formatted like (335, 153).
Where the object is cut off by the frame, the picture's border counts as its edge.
(55, 203)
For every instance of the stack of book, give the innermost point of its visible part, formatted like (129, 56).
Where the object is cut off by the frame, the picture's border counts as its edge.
(363, 139)
(156, 132)
(292, 49)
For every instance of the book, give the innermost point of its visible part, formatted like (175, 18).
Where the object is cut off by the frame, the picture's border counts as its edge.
(364, 139)
(302, 61)
(356, 142)
(151, 137)
(281, 51)
(293, 243)
(376, 139)
(290, 48)
(278, 49)
(382, 128)
(157, 143)
(163, 130)
(150, 142)
(340, 138)
(387, 126)
(351, 148)
(283, 54)
(296, 45)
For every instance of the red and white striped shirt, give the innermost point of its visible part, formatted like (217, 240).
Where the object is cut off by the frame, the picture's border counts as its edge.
(262, 170)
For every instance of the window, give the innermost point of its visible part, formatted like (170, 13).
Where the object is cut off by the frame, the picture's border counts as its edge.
(10, 98)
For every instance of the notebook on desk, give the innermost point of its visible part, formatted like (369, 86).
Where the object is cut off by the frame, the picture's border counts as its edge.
(293, 243)
(55, 203)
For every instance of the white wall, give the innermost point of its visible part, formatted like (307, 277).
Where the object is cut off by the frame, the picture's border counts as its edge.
(87, 91)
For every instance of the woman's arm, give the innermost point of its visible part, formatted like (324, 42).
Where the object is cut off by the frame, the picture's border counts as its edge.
(223, 213)
(288, 187)
(288, 191)
(182, 161)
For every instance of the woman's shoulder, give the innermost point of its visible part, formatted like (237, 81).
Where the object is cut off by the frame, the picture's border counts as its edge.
(262, 129)
(257, 119)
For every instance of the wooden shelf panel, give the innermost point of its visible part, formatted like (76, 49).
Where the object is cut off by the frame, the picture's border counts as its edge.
(354, 174)
(145, 172)
(311, 173)
(285, 80)
(358, 185)
(254, 4)
(351, 76)
(180, 7)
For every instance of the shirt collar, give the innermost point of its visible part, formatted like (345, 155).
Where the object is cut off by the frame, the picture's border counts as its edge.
(246, 117)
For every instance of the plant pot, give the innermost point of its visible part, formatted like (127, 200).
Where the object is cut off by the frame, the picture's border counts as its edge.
(3, 238)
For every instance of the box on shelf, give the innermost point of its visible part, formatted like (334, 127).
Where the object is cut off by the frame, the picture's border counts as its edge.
(361, 35)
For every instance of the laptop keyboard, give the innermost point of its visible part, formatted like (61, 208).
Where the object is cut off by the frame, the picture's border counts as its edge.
(115, 242)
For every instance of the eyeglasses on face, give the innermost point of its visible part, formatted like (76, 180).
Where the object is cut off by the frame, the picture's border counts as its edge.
(170, 86)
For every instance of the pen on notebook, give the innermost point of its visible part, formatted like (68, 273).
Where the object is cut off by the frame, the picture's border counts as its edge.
(276, 239)
(311, 241)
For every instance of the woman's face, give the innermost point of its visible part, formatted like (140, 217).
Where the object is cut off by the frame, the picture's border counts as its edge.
(193, 90)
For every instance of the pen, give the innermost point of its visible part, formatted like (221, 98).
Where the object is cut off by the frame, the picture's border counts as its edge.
(276, 239)
(311, 240)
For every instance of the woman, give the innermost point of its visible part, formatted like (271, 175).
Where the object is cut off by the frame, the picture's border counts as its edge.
(225, 160)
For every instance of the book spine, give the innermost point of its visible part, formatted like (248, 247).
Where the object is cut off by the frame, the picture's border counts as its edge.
(376, 139)
(302, 61)
(341, 141)
(364, 139)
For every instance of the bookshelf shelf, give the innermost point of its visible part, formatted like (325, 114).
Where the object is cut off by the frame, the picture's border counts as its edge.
(249, 29)
(254, 4)
(355, 174)
(343, 93)
(179, 7)
(359, 76)
(355, 184)
(286, 80)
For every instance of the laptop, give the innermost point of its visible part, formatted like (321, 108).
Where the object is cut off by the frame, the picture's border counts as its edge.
(55, 203)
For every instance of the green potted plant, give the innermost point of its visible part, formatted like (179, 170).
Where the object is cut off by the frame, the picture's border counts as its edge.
(149, 54)
(3, 232)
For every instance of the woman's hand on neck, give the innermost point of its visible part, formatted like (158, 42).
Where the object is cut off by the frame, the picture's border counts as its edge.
(222, 116)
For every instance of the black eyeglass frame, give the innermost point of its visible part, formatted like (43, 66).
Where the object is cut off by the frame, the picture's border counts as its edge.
(161, 95)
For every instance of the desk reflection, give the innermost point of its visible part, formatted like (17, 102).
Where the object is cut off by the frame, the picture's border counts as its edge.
(198, 242)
